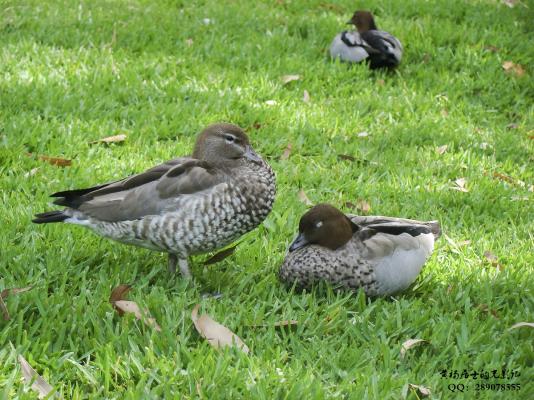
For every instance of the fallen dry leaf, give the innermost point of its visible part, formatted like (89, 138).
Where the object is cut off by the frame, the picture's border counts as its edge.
(304, 198)
(132, 308)
(58, 162)
(363, 134)
(510, 3)
(444, 113)
(306, 96)
(216, 334)
(503, 177)
(110, 139)
(460, 185)
(289, 78)
(189, 42)
(492, 258)
(442, 149)
(363, 206)
(513, 68)
(485, 308)
(41, 386)
(493, 49)
(6, 293)
(521, 324)
(456, 244)
(407, 345)
(346, 157)
(287, 152)
(117, 294)
(419, 390)
(381, 82)
(271, 102)
(31, 172)
(221, 255)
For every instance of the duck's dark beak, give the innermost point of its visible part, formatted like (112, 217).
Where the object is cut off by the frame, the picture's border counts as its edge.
(300, 241)
(251, 155)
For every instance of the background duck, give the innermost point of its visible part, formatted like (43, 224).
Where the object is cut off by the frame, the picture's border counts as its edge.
(381, 255)
(382, 49)
(186, 206)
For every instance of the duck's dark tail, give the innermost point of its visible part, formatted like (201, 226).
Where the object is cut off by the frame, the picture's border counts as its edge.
(50, 216)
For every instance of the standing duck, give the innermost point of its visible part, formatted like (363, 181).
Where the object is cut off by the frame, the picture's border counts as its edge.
(382, 49)
(185, 206)
(381, 255)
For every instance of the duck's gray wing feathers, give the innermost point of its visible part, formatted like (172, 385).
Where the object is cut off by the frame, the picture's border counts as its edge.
(159, 190)
(384, 49)
(348, 46)
(74, 198)
(397, 226)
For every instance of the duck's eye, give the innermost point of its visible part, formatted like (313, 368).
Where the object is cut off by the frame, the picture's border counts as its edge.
(229, 138)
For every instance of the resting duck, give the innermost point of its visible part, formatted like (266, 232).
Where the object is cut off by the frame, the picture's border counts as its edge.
(186, 206)
(381, 255)
(382, 49)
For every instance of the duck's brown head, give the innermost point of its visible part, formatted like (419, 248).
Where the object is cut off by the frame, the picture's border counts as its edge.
(325, 226)
(363, 20)
(224, 143)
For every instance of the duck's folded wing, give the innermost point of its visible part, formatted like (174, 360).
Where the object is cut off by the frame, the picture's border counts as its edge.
(381, 42)
(74, 198)
(384, 238)
(150, 193)
(397, 226)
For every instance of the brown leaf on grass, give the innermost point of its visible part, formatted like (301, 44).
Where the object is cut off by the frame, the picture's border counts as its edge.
(442, 149)
(381, 82)
(131, 307)
(216, 334)
(503, 177)
(510, 3)
(346, 157)
(289, 78)
(512, 125)
(42, 387)
(117, 294)
(460, 185)
(521, 324)
(363, 206)
(419, 390)
(6, 293)
(58, 162)
(306, 96)
(189, 42)
(31, 172)
(332, 7)
(221, 255)
(407, 345)
(304, 198)
(363, 134)
(110, 139)
(287, 152)
(493, 49)
(492, 258)
(485, 309)
(513, 68)
(444, 113)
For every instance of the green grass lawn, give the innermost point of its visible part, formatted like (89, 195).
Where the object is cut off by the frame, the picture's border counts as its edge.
(72, 72)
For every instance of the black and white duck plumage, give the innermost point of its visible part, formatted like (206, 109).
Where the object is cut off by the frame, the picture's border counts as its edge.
(185, 206)
(381, 255)
(380, 48)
